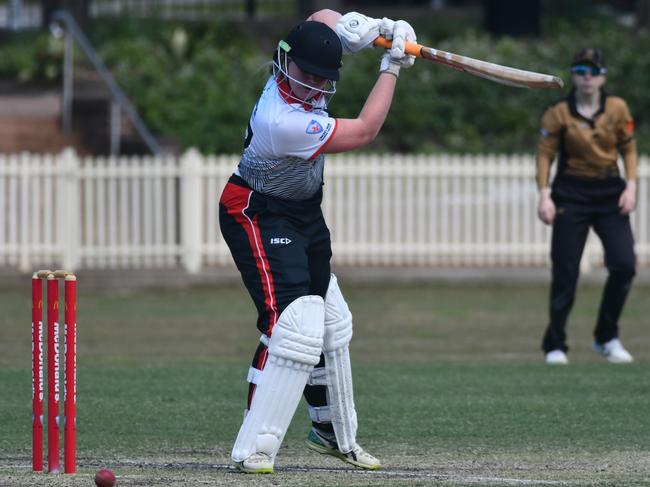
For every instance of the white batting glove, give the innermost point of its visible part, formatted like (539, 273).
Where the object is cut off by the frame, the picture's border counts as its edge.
(357, 31)
(399, 32)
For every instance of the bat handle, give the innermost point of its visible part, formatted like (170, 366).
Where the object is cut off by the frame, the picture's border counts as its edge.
(411, 47)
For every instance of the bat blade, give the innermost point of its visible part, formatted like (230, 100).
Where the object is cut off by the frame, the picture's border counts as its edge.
(494, 72)
(498, 73)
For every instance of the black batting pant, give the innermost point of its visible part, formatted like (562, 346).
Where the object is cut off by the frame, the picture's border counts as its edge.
(282, 249)
(570, 231)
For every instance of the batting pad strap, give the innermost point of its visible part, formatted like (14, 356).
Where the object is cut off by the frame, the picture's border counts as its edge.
(320, 414)
(254, 375)
(295, 346)
(318, 377)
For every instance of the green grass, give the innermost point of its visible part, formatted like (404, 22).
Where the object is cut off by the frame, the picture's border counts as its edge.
(517, 412)
(449, 383)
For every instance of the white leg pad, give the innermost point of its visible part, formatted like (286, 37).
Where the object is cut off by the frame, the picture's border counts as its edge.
(338, 333)
(294, 348)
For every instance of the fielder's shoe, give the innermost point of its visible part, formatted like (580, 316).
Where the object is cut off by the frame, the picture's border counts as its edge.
(556, 357)
(357, 457)
(256, 463)
(614, 351)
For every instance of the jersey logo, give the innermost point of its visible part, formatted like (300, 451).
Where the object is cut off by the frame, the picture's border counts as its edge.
(314, 128)
(280, 241)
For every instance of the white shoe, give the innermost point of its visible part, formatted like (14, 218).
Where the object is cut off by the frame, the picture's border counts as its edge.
(556, 357)
(357, 457)
(614, 351)
(256, 463)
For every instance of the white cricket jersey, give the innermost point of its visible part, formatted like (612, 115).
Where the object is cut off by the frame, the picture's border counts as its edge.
(284, 142)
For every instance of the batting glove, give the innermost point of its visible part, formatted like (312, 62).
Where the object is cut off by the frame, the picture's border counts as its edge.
(399, 32)
(357, 31)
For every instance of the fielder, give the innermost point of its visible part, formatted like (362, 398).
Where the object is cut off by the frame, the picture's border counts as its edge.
(271, 219)
(588, 129)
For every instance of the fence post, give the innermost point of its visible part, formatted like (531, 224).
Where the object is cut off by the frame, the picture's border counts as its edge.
(69, 211)
(191, 210)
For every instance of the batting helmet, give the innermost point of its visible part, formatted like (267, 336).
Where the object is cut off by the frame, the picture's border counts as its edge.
(315, 48)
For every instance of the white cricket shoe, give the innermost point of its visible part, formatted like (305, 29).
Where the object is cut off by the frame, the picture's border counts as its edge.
(614, 351)
(357, 457)
(256, 463)
(556, 357)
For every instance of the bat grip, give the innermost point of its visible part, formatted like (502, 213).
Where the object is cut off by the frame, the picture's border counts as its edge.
(411, 48)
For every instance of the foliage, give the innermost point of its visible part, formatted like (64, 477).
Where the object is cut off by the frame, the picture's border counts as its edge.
(32, 58)
(199, 82)
(199, 89)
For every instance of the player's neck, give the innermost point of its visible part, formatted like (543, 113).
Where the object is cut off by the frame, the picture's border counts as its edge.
(588, 104)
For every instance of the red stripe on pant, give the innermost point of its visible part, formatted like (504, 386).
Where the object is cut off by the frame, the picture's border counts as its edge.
(236, 199)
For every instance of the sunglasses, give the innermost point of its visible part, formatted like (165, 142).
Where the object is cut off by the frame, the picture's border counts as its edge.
(583, 70)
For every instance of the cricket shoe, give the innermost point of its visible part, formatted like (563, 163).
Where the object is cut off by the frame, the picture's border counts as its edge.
(256, 463)
(556, 357)
(614, 351)
(357, 457)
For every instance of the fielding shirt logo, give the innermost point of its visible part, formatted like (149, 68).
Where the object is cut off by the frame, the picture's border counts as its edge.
(314, 128)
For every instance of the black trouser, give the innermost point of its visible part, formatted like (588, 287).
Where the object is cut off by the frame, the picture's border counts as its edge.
(579, 208)
(282, 250)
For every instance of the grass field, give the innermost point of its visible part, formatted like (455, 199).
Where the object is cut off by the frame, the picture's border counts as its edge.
(450, 390)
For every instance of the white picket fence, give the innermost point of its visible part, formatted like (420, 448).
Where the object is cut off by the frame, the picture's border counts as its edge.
(393, 210)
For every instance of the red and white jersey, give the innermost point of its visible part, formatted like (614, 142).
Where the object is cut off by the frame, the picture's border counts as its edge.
(284, 143)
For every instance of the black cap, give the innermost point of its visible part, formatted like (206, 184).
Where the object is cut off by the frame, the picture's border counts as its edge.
(315, 48)
(589, 55)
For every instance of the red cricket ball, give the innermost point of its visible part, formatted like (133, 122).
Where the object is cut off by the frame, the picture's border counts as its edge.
(105, 478)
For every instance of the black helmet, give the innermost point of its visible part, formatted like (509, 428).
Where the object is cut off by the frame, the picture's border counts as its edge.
(315, 48)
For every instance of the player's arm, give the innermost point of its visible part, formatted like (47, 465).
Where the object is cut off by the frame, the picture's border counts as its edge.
(327, 17)
(627, 148)
(549, 141)
(352, 133)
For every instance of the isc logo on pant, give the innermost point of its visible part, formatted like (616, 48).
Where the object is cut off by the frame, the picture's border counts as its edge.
(280, 240)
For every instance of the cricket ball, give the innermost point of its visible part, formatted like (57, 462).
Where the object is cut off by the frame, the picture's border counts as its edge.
(105, 478)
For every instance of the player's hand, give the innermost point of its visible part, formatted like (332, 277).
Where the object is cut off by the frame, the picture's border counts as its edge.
(627, 201)
(399, 32)
(546, 207)
(357, 31)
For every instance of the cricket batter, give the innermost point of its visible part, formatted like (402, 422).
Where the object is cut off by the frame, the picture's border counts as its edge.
(271, 218)
(589, 128)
